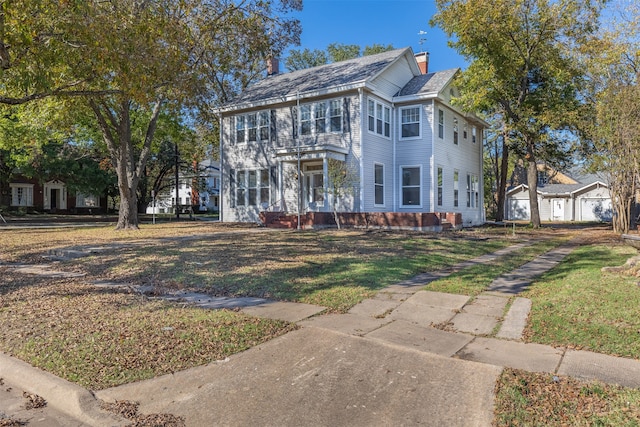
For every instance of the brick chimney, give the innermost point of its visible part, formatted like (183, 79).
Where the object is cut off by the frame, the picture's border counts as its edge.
(423, 61)
(273, 66)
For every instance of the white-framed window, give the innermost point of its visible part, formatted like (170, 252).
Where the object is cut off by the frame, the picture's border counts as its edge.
(87, 201)
(440, 180)
(473, 134)
(252, 187)
(263, 125)
(464, 131)
(411, 185)
(379, 119)
(473, 193)
(456, 178)
(321, 117)
(253, 127)
(410, 122)
(378, 183)
(455, 130)
(440, 123)
(21, 194)
(335, 115)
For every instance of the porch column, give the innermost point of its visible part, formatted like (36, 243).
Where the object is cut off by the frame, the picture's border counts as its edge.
(325, 185)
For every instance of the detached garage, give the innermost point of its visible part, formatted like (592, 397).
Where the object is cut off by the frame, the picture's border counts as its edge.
(562, 202)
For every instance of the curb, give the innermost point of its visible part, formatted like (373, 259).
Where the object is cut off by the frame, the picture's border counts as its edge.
(60, 394)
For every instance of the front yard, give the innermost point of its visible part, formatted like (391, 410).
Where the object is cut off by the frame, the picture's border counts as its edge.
(100, 338)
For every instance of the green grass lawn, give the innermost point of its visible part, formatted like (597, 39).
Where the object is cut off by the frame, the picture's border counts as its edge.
(578, 305)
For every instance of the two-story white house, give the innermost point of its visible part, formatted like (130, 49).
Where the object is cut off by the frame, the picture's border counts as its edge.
(416, 158)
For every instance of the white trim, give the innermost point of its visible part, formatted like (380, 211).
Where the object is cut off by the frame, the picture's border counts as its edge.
(376, 184)
(420, 113)
(420, 186)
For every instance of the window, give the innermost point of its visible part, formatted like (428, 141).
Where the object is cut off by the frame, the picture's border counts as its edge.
(335, 115)
(253, 127)
(321, 117)
(372, 114)
(455, 188)
(253, 187)
(410, 186)
(305, 120)
(379, 119)
(241, 190)
(440, 185)
(240, 128)
(440, 124)
(263, 126)
(464, 131)
(455, 130)
(473, 134)
(378, 179)
(410, 122)
(473, 194)
(21, 194)
(264, 187)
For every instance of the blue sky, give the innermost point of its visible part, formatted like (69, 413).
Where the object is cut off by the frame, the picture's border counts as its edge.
(366, 22)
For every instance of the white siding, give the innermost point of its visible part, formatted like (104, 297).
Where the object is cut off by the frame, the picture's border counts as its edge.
(465, 157)
(393, 79)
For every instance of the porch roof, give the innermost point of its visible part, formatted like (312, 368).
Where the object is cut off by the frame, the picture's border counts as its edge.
(312, 152)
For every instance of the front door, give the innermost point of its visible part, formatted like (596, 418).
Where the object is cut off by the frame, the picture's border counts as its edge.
(313, 188)
(558, 209)
(53, 197)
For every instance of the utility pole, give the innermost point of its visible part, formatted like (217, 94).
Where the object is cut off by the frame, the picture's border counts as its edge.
(177, 182)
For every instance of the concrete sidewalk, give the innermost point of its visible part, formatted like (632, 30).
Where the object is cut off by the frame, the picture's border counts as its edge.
(405, 357)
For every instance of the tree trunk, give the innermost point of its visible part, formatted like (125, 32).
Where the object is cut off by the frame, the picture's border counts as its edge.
(502, 179)
(532, 182)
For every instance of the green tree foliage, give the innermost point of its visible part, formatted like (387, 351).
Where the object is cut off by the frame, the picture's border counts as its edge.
(302, 59)
(343, 179)
(613, 127)
(128, 55)
(521, 55)
(306, 58)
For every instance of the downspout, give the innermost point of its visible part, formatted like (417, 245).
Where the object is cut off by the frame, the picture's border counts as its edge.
(361, 136)
(222, 174)
(394, 136)
(298, 149)
(432, 195)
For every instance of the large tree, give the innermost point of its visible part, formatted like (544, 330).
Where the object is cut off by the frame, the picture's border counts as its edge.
(521, 62)
(129, 55)
(613, 127)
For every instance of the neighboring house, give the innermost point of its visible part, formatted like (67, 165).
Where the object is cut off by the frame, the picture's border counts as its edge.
(562, 197)
(207, 193)
(52, 197)
(417, 158)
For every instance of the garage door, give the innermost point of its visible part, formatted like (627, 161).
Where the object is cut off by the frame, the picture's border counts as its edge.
(519, 209)
(596, 210)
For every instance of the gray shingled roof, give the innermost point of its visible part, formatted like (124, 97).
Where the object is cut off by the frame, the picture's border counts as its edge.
(318, 78)
(427, 83)
(559, 188)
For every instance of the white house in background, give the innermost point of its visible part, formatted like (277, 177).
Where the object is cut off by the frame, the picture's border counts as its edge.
(385, 115)
(585, 198)
(208, 191)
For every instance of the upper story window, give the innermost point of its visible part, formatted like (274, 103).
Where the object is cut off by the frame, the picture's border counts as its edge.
(253, 127)
(464, 131)
(410, 122)
(321, 117)
(543, 178)
(379, 118)
(455, 130)
(473, 134)
(440, 124)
